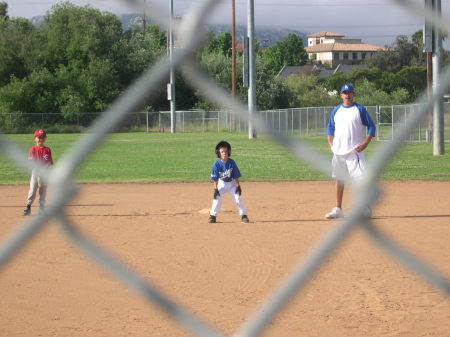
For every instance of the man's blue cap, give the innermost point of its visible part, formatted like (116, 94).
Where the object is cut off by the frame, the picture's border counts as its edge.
(347, 87)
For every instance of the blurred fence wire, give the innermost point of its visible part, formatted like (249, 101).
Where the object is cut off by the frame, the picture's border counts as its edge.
(190, 30)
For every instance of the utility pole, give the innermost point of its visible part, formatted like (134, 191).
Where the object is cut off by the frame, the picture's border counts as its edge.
(171, 86)
(233, 57)
(233, 49)
(144, 19)
(428, 47)
(432, 46)
(252, 65)
(438, 108)
(430, 92)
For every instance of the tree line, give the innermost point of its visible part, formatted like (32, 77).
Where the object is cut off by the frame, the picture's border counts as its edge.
(80, 59)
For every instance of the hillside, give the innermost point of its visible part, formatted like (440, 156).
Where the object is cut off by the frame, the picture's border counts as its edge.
(266, 35)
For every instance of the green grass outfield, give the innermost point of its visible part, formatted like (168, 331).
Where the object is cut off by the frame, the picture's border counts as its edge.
(188, 157)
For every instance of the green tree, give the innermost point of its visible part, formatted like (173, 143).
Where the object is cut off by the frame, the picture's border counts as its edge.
(19, 48)
(336, 81)
(413, 79)
(137, 51)
(417, 39)
(271, 93)
(3, 10)
(307, 91)
(218, 67)
(76, 35)
(401, 53)
(220, 44)
(224, 43)
(368, 94)
(287, 52)
(33, 94)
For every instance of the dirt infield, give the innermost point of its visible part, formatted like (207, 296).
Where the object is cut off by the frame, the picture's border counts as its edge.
(224, 271)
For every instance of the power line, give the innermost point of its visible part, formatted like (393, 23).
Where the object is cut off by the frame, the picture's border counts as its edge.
(360, 26)
(302, 4)
(259, 4)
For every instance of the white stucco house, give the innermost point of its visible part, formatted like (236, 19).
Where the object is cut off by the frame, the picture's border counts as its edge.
(331, 48)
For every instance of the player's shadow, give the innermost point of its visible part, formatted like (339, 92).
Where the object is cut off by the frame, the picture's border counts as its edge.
(77, 205)
(129, 215)
(290, 220)
(412, 216)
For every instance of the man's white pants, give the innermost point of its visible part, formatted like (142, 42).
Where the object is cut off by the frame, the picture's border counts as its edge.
(36, 183)
(353, 164)
(227, 187)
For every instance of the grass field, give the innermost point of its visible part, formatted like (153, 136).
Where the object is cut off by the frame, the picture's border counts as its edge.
(188, 157)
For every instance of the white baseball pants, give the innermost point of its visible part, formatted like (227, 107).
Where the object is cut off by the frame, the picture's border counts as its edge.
(227, 187)
(36, 183)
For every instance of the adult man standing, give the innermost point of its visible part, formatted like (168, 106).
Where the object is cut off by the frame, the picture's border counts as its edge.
(346, 132)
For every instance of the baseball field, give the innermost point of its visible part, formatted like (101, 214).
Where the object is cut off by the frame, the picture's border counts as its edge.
(145, 199)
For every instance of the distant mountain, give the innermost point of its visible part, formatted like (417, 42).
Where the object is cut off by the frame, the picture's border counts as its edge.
(266, 35)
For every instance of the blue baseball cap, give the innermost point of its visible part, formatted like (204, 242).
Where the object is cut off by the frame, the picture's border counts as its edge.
(347, 87)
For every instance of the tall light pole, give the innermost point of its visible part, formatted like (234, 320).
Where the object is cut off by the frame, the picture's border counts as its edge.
(251, 65)
(233, 48)
(438, 108)
(171, 86)
(144, 19)
(233, 57)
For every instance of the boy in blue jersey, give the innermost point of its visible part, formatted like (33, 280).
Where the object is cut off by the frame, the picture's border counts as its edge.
(346, 132)
(225, 176)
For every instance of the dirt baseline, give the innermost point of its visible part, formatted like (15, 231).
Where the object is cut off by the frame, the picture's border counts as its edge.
(223, 272)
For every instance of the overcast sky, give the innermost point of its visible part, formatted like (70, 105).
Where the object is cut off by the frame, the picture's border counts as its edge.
(375, 21)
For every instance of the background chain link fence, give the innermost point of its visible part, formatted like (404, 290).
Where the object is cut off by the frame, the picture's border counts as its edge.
(308, 121)
(189, 29)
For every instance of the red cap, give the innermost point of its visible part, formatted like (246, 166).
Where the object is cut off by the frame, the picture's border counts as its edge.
(40, 132)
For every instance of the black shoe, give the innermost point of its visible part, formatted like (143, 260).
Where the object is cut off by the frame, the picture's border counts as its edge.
(245, 219)
(212, 219)
(27, 211)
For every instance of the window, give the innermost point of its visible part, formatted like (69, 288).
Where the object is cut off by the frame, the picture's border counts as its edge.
(345, 56)
(355, 56)
(336, 56)
(363, 56)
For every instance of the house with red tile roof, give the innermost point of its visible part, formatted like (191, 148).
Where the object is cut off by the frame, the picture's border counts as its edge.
(331, 48)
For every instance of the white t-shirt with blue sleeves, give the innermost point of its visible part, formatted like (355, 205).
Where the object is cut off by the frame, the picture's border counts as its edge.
(225, 171)
(347, 125)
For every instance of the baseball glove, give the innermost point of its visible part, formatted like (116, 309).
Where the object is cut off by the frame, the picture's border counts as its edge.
(238, 190)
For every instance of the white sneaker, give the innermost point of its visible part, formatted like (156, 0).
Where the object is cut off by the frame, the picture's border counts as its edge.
(335, 213)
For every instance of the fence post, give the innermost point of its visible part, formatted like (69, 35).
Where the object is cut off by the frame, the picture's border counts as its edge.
(307, 121)
(279, 121)
(300, 121)
(292, 122)
(377, 115)
(420, 128)
(392, 121)
(324, 121)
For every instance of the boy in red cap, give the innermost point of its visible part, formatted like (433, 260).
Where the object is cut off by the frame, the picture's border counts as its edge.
(43, 155)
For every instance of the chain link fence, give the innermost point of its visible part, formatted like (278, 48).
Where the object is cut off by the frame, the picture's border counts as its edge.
(310, 121)
(60, 178)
